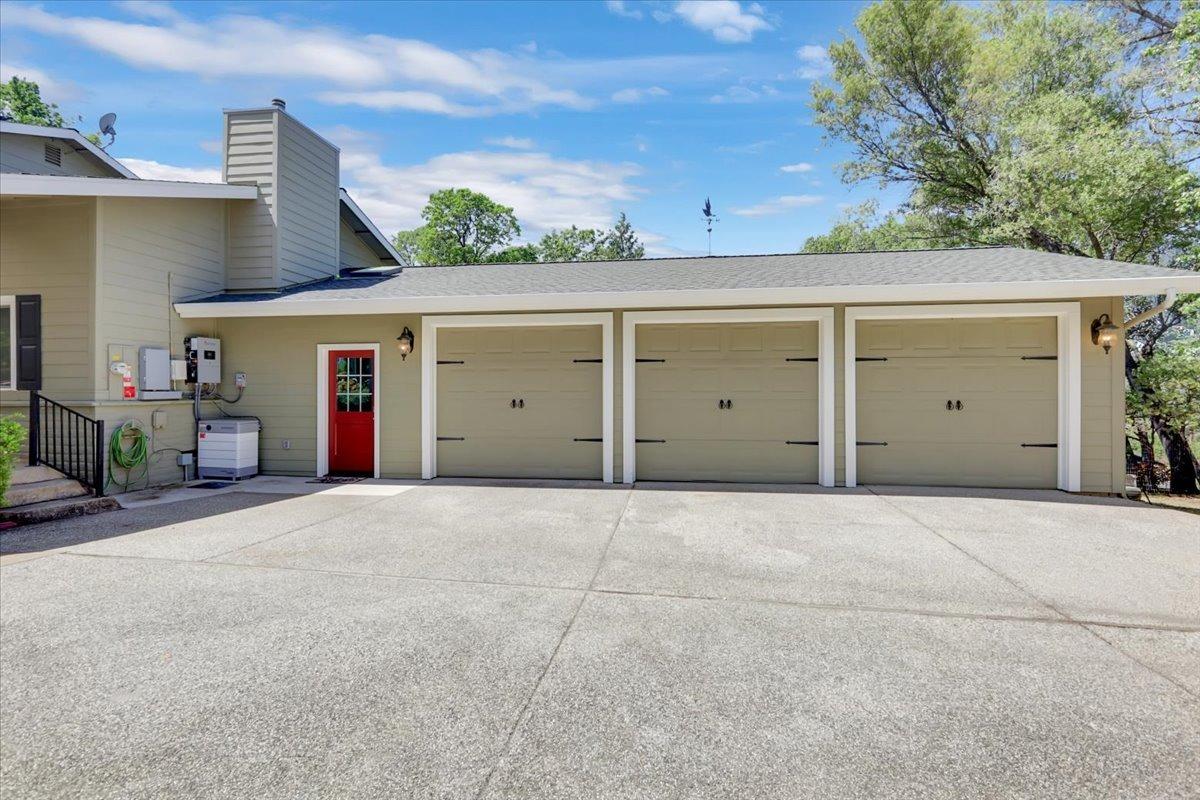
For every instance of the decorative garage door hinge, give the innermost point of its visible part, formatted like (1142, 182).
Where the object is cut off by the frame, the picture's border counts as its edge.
(587, 439)
(871, 358)
(650, 360)
(806, 358)
(1040, 444)
(451, 438)
(587, 360)
(451, 362)
(650, 441)
(1039, 358)
(792, 441)
(872, 444)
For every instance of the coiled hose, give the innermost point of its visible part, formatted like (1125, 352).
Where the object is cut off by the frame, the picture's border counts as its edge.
(128, 449)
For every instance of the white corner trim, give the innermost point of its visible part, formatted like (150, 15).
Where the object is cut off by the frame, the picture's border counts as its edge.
(323, 351)
(826, 403)
(16, 184)
(431, 325)
(1070, 372)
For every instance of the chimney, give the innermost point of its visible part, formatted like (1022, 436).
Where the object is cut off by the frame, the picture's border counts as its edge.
(288, 235)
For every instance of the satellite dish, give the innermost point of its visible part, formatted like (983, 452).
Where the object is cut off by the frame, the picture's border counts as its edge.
(106, 127)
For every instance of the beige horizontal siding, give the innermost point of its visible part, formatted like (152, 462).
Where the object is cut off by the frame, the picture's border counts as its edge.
(250, 159)
(21, 153)
(353, 253)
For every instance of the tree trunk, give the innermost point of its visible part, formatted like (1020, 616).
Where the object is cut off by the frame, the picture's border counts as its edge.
(1146, 441)
(1180, 459)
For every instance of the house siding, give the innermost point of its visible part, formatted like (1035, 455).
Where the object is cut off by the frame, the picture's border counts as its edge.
(250, 158)
(353, 253)
(23, 153)
(307, 210)
(279, 356)
(47, 248)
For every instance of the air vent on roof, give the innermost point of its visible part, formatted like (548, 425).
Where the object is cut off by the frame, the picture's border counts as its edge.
(53, 155)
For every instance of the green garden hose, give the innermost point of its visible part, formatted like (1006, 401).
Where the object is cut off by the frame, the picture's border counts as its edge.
(128, 458)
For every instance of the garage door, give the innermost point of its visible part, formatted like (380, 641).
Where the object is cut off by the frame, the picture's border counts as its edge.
(968, 402)
(727, 402)
(519, 402)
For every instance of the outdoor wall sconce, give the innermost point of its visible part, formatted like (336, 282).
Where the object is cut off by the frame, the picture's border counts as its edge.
(405, 341)
(1104, 332)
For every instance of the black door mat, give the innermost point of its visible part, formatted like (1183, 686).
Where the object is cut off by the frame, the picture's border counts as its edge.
(211, 485)
(335, 479)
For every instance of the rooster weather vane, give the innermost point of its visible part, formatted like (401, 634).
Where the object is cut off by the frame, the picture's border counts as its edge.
(709, 219)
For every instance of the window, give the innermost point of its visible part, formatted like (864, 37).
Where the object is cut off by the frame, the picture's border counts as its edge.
(8, 342)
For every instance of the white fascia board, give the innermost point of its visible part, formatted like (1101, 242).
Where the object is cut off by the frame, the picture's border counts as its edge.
(21, 185)
(368, 224)
(699, 298)
(72, 135)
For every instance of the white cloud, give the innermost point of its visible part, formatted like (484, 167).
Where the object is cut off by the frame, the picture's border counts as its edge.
(545, 192)
(622, 9)
(742, 93)
(389, 100)
(636, 95)
(157, 171)
(150, 9)
(814, 62)
(800, 167)
(513, 142)
(748, 149)
(779, 205)
(372, 65)
(54, 91)
(726, 20)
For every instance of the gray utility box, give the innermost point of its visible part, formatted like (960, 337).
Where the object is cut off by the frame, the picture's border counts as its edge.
(154, 374)
(227, 448)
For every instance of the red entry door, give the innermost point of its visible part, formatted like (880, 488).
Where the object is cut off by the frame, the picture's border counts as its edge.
(352, 412)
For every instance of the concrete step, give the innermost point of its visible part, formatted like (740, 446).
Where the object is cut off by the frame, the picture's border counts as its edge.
(58, 488)
(57, 509)
(38, 474)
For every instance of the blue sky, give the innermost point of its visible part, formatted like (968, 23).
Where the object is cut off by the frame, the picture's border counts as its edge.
(569, 112)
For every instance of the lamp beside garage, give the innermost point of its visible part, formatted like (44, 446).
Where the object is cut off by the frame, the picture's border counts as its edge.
(405, 342)
(1104, 332)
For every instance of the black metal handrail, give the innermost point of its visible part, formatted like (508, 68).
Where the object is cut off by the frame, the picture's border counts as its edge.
(63, 439)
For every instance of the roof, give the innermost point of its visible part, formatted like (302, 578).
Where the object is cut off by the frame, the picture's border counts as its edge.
(1000, 273)
(77, 140)
(22, 184)
(362, 225)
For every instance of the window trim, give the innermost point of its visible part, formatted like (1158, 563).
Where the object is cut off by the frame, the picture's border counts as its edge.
(9, 301)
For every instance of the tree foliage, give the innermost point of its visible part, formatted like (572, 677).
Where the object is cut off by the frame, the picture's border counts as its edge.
(21, 100)
(466, 227)
(862, 229)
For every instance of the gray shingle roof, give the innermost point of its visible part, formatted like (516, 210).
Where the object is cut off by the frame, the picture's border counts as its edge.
(790, 270)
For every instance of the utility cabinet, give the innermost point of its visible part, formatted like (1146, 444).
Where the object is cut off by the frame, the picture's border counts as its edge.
(227, 448)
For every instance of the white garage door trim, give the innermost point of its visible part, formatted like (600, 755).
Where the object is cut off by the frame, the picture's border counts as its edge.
(825, 402)
(323, 351)
(1070, 376)
(429, 329)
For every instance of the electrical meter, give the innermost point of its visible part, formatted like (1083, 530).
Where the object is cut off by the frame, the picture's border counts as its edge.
(203, 359)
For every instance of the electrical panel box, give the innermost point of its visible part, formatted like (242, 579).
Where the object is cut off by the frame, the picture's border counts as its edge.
(154, 374)
(227, 448)
(203, 359)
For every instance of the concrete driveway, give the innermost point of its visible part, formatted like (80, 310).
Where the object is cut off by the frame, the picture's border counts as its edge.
(460, 640)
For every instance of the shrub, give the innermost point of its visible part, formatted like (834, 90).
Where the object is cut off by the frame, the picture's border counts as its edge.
(12, 434)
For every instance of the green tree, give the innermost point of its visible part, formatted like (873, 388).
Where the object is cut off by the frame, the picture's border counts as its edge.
(1026, 124)
(515, 254)
(461, 227)
(573, 244)
(622, 242)
(408, 244)
(1165, 398)
(862, 229)
(22, 101)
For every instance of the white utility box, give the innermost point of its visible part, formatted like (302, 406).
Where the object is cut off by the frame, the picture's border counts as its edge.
(227, 448)
(154, 374)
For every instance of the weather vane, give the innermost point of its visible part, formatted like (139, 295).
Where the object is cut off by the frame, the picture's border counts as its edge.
(709, 219)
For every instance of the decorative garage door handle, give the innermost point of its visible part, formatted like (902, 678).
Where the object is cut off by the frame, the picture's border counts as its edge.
(954, 405)
(517, 403)
(724, 404)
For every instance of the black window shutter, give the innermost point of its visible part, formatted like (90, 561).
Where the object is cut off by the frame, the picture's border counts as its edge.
(29, 341)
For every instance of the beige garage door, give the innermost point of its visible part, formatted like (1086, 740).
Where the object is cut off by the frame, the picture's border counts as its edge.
(966, 402)
(519, 402)
(722, 402)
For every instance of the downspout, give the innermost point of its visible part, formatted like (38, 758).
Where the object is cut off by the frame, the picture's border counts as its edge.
(1158, 308)
(1167, 302)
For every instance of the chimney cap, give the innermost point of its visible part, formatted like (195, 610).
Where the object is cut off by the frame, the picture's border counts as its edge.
(279, 103)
